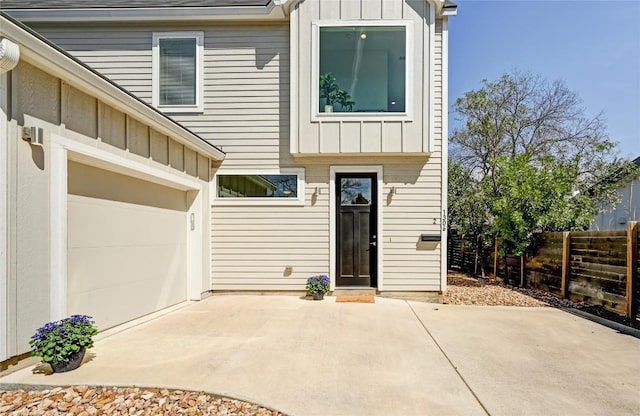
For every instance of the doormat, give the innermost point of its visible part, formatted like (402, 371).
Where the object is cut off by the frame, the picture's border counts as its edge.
(356, 299)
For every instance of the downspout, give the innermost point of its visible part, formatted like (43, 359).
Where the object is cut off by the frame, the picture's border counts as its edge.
(9, 57)
(284, 6)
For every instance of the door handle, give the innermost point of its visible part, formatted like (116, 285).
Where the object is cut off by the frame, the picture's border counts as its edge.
(373, 243)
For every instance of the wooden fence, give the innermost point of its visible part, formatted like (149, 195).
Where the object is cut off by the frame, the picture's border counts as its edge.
(467, 254)
(595, 267)
(544, 270)
(461, 253)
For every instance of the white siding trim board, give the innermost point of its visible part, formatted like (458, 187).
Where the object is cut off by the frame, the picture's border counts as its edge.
(444, 156)
(4, 253)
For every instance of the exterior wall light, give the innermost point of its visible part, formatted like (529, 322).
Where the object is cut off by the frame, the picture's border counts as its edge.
(34, 135)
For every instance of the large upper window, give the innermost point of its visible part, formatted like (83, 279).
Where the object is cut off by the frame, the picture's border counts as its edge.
(177, 74)
(362, 69)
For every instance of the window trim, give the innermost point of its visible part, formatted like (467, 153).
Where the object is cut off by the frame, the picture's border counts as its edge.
(317, 116)
(257, 201)
(198, 107)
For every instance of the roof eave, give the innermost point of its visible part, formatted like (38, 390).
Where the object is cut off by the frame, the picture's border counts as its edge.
(35, 50)
(270, 11)
(449, 8)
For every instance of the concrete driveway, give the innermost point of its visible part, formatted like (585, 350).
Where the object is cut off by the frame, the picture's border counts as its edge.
(389, 358)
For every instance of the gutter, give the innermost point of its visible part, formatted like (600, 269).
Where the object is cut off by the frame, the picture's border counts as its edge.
(449, 8)
(39, 51)
(150, 14)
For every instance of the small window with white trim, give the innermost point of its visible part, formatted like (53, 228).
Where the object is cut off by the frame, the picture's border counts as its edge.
(283, 187)
(177, 71)
(362, 68)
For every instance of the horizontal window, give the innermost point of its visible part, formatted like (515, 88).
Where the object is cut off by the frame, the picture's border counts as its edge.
(257, 186)
(362, 69)
(284, 186)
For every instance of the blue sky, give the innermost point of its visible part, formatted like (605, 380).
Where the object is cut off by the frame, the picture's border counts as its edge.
(594, 46)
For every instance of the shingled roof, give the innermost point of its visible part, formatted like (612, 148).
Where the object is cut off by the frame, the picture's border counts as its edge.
(101, 4)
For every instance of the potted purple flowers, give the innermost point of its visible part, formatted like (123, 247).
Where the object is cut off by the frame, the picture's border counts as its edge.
(63, 343)
(317, 286)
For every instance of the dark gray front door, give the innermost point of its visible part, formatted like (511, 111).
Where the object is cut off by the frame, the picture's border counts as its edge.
(356, 213)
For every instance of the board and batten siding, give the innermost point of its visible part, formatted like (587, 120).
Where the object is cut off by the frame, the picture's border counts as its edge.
(386, 133)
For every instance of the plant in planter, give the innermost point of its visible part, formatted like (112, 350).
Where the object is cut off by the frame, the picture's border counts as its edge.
(317, 286)
(63, 343)
(333, 94)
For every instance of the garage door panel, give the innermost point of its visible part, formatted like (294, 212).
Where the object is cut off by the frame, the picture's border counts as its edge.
(115, 223)
(124, 259)
(98, 183)
(111, 311)
(94, 269)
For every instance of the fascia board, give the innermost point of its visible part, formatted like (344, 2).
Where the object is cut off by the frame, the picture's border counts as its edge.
(34, 51)
(159, 14)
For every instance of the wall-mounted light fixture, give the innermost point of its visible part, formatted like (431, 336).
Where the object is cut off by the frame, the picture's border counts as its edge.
(394, 190)
(34, 135)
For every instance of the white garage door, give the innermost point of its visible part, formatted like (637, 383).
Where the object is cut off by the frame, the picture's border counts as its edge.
(126, 245)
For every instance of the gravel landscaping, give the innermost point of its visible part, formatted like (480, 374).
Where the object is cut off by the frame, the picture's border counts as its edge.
(86, 401)
(463, 289)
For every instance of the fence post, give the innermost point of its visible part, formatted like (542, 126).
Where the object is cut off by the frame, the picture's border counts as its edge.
(632, 266)
(449, 249)
(475, 259)
(522, 270)
(495, 260)
(566, 266)
(463, 248)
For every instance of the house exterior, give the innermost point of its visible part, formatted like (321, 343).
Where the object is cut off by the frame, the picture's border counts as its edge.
(244, 174)
(628, 209)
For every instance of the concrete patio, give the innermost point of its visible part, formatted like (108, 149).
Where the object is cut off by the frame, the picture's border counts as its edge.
(389, 358)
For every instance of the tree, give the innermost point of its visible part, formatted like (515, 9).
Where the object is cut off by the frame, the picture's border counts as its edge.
(532, 160)
(525, 114)
(468, 205)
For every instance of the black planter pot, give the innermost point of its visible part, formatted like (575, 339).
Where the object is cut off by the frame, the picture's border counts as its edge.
(74, 362)
(318, 296)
